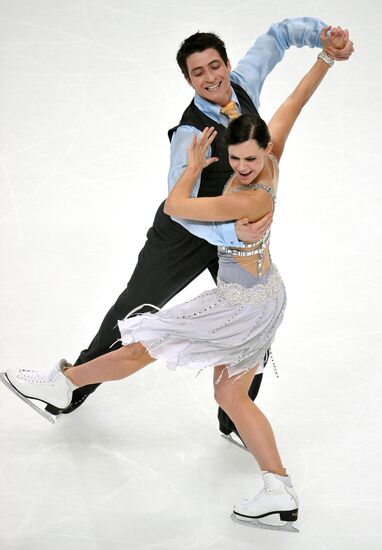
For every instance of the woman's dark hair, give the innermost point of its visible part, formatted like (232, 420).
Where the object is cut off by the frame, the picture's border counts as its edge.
(247, 127)
(199, 42)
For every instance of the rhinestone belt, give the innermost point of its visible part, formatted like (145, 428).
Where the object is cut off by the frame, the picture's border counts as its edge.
(263, 243)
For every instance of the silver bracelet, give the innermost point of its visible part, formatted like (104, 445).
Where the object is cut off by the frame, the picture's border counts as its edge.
(324, 56)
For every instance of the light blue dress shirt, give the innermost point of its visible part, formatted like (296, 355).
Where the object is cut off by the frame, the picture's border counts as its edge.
(250, 74)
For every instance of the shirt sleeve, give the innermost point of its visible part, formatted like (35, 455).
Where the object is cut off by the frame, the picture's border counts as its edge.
(217, 233)
(269, 49)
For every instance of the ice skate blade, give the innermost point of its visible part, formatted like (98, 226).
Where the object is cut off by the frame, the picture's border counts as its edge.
(288, 527)
(238, 443)
(42, 412)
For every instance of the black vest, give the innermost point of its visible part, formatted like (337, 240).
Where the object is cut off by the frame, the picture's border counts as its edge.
(215, 176)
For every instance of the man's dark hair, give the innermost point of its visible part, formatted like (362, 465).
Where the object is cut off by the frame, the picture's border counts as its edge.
(248, 127)
(199, 42)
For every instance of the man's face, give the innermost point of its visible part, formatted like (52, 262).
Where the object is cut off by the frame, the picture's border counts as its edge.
(209, 76)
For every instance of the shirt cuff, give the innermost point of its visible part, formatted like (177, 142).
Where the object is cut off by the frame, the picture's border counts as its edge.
(229, 236)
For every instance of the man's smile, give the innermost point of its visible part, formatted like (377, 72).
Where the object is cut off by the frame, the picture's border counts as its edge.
(213, 87)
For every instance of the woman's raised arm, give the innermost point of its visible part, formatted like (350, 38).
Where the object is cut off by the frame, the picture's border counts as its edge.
(286, 115)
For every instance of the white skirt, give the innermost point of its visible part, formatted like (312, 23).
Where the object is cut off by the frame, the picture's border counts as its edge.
(230, 325)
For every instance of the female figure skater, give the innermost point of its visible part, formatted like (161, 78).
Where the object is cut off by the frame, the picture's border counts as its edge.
(228, 328)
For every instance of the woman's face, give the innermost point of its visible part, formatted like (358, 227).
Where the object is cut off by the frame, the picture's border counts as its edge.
(247, 160)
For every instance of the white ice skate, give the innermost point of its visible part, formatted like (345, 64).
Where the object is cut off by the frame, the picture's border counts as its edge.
(52, 388)
(278, 498)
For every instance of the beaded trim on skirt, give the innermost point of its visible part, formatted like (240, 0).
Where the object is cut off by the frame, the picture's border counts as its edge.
(230, 325)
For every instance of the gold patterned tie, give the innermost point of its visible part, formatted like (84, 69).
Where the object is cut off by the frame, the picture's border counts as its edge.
(230, 110)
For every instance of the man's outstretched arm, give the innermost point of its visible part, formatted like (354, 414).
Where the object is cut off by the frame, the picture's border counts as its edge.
(270, 47)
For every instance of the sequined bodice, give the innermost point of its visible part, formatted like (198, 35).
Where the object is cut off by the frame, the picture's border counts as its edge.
(232, 258)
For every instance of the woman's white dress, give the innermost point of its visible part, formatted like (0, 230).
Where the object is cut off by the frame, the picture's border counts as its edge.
(233, 324)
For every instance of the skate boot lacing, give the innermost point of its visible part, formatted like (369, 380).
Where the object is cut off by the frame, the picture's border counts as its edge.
(256, 497)
(38, 377)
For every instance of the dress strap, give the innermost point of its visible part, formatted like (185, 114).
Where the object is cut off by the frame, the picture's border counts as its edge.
(254, 186)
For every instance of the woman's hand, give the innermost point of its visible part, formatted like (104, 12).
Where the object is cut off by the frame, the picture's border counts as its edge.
(336, 44)
(198, 149)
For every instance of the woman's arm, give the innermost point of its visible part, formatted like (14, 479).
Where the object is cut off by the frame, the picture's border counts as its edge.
(253, 205)
(241, 204)
(286, 115)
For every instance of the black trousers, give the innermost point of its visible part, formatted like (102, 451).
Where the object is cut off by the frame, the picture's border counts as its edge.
(170, 259)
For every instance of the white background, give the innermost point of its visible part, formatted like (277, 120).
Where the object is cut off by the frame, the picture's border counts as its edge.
(88, 90)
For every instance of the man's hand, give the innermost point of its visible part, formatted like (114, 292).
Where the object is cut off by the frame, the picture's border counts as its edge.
(250, 232)
(336, 44)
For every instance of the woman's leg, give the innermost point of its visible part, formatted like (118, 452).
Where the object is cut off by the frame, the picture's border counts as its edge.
(55, 388)
(254, 428)
(112, 366)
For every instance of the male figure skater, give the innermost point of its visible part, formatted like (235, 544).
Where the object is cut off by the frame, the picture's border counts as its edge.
(176, 251)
